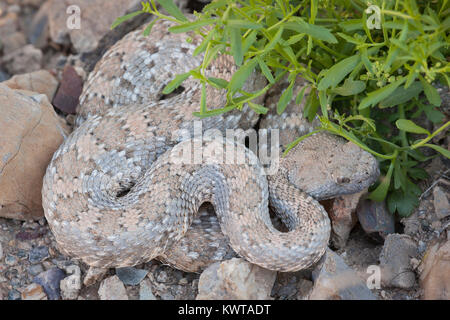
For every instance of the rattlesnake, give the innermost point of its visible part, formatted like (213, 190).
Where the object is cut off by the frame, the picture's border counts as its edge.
(114, 196)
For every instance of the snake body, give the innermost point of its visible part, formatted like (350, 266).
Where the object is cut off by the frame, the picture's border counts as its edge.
(117, 194)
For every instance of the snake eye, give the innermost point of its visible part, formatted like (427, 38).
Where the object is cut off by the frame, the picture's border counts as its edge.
(342, 180)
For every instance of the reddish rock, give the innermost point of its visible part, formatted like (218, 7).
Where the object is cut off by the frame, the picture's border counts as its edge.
(68, 94)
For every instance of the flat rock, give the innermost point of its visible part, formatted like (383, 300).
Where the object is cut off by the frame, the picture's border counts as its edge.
(31, 133)
(34, 292)
(112, 289)
(67, 96)
(38, 254)
(441, 203)
(41, 81)
(396, 271)
(342, 213)
(235, 279)
(375, 219)
(131, 276)
(335, 280)
(435, 272)
(23, 60)
(145, 291)
(50, 280)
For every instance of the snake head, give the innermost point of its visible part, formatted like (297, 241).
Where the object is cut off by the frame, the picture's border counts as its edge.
(326, 166)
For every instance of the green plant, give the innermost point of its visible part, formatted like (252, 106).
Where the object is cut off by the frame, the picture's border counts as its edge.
(366, 83)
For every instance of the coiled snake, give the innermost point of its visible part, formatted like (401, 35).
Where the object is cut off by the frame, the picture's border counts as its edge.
(114, 195)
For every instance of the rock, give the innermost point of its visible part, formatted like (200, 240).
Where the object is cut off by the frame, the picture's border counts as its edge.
(35, 269)
(71, 285)
(395, 257)
(31, 133)
(441, 203)
(435, 272)
(11, 260)
(38, 254)
(3, 76)
(375, 219)
(343, 217)
(131, 276)
(40, 81)
(96, 19)
(1, 251)
(67, 96)
(24, 60)
(12, 42)
(145, 291)
(38, 33)
(93, 275)
(9, 24)
(235, 279)
(50, 280)
(335, 280)
(34, 292)
(112, 289)
(14, 295)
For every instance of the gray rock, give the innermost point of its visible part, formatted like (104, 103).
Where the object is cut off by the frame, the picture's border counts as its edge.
(38, 254)
(34, 292)
(112, 289)
(335, 280)
(11, 260)
(235, 279)
(131, 276)
(145, 291)
(441, 203)
(50, 280)
(71, 285)
(23, 60)
(375, 219)
(35, 269)
(14, 295)
(1, 251)
(395, 259)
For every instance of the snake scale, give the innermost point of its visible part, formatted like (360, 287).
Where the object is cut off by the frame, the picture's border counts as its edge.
(115, 196)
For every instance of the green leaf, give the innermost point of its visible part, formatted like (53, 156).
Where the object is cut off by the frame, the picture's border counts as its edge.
(311, 106)
(175, 83)
(258, 108)
(286, 96)
(379, 194)
(272, 43)
(300, 95)
(433, 114)
(172, 9)
(218, 83)
(402, 95)
(339, 71)
(203, 108)
(214, 112)
(378, 95)
(243, 24)
(240, 76)
(125, 18)
(399, 177)
(236, 45)
(148, 29)
(265, 70)
(418, 173)
(317, 32)
(403, 203)
(189, 26)
(431, 93)
(409, 126)
(350, 88)
(439, 149)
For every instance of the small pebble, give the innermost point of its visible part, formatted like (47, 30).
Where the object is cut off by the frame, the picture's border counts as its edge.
(131, 276)
(11, 260)
(145, 291)
(14, 295)
(38, 254)
(35, 269)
